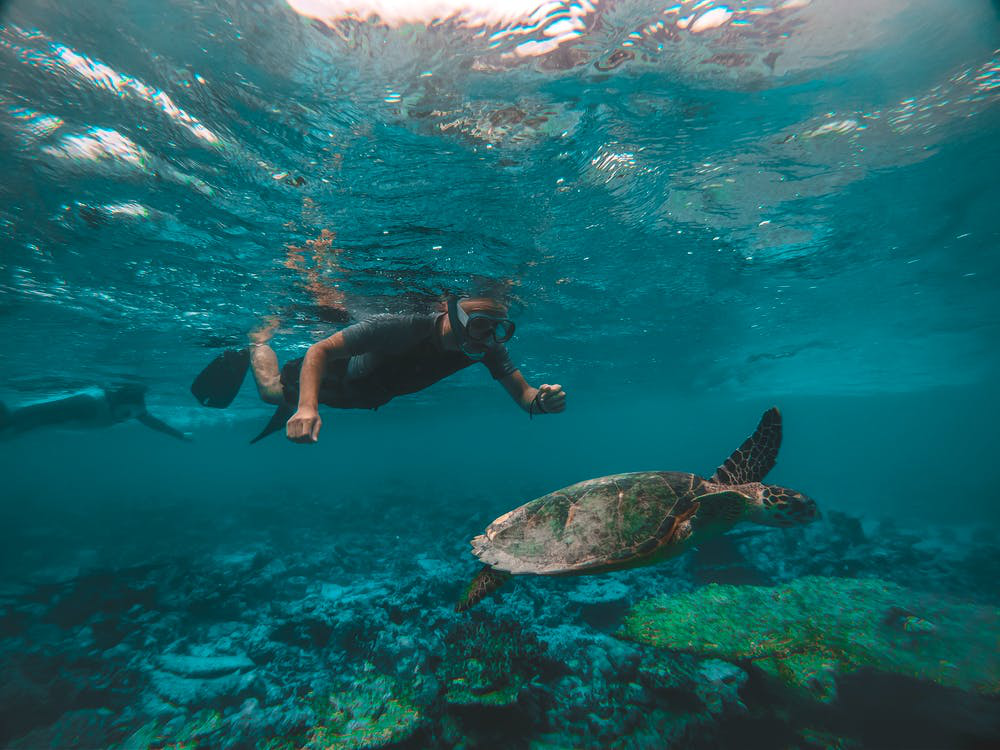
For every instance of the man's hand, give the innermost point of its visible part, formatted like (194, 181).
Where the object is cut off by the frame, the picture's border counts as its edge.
(551, 398)
(304, 426)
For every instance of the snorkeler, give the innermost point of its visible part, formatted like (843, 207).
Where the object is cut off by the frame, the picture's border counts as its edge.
(91, 409)
(369, 363)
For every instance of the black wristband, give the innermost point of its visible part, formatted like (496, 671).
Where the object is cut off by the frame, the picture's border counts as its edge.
(536, 402)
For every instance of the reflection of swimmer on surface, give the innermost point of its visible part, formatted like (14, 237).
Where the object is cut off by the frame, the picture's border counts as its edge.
(328, 301)
(91, 409)
(368, 364)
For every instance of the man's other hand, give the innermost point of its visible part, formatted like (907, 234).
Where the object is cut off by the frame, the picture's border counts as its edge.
(304, 426)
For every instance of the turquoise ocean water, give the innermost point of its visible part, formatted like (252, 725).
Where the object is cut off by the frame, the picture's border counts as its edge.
(696, 211)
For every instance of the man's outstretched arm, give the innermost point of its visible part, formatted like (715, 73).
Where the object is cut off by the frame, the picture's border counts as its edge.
(160, 426)
(546, 399)
(303, 427)
(388, 333)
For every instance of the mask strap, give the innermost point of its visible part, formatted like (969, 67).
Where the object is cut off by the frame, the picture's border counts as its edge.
(463, 317)
(457, 327)
(457, 315)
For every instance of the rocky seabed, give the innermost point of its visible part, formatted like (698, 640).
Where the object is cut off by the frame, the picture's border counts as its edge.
(309, 643)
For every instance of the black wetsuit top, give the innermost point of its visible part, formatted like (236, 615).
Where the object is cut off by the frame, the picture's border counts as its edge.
(391, 355)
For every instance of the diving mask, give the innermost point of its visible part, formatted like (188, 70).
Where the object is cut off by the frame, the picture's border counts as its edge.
(481, 330)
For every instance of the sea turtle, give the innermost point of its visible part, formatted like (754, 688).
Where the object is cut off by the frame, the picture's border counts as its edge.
(630, 520)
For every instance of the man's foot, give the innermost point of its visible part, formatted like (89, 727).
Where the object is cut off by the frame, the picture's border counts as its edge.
(264, 333)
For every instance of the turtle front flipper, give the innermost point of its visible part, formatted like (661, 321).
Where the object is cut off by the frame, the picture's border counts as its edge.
(486, 582)
(752, 460)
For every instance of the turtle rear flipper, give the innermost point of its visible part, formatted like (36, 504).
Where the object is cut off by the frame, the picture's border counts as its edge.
(752, 460)
(487, 581)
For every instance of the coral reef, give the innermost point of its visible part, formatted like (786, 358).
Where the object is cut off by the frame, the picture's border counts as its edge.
(488, 663)
(293, 642)
(810, 631)
(374, 711)
(179, 734)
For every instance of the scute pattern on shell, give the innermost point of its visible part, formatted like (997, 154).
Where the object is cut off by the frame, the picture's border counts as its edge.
(592, 524)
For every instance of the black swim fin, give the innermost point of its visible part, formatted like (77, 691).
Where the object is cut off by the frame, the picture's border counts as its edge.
(281, 415)
(218, 384)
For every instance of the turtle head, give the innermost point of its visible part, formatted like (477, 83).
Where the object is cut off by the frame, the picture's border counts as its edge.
(780, 506)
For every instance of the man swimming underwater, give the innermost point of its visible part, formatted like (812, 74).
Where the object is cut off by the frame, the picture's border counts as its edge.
(369, 363)
(92, 409)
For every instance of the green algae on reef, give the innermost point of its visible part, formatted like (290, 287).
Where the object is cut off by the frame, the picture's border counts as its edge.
(192, 733)
(376, 711)
(807, 632)
(488, 663)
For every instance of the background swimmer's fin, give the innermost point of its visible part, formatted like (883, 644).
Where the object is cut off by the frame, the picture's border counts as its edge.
(281, 415)
(218, 384)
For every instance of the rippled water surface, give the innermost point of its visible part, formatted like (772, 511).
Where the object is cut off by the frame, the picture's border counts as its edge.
(787, 197)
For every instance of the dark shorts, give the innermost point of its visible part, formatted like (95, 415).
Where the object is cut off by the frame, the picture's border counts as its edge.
(335, 390)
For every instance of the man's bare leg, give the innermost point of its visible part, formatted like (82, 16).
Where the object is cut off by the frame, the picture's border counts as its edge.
(264, 364)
